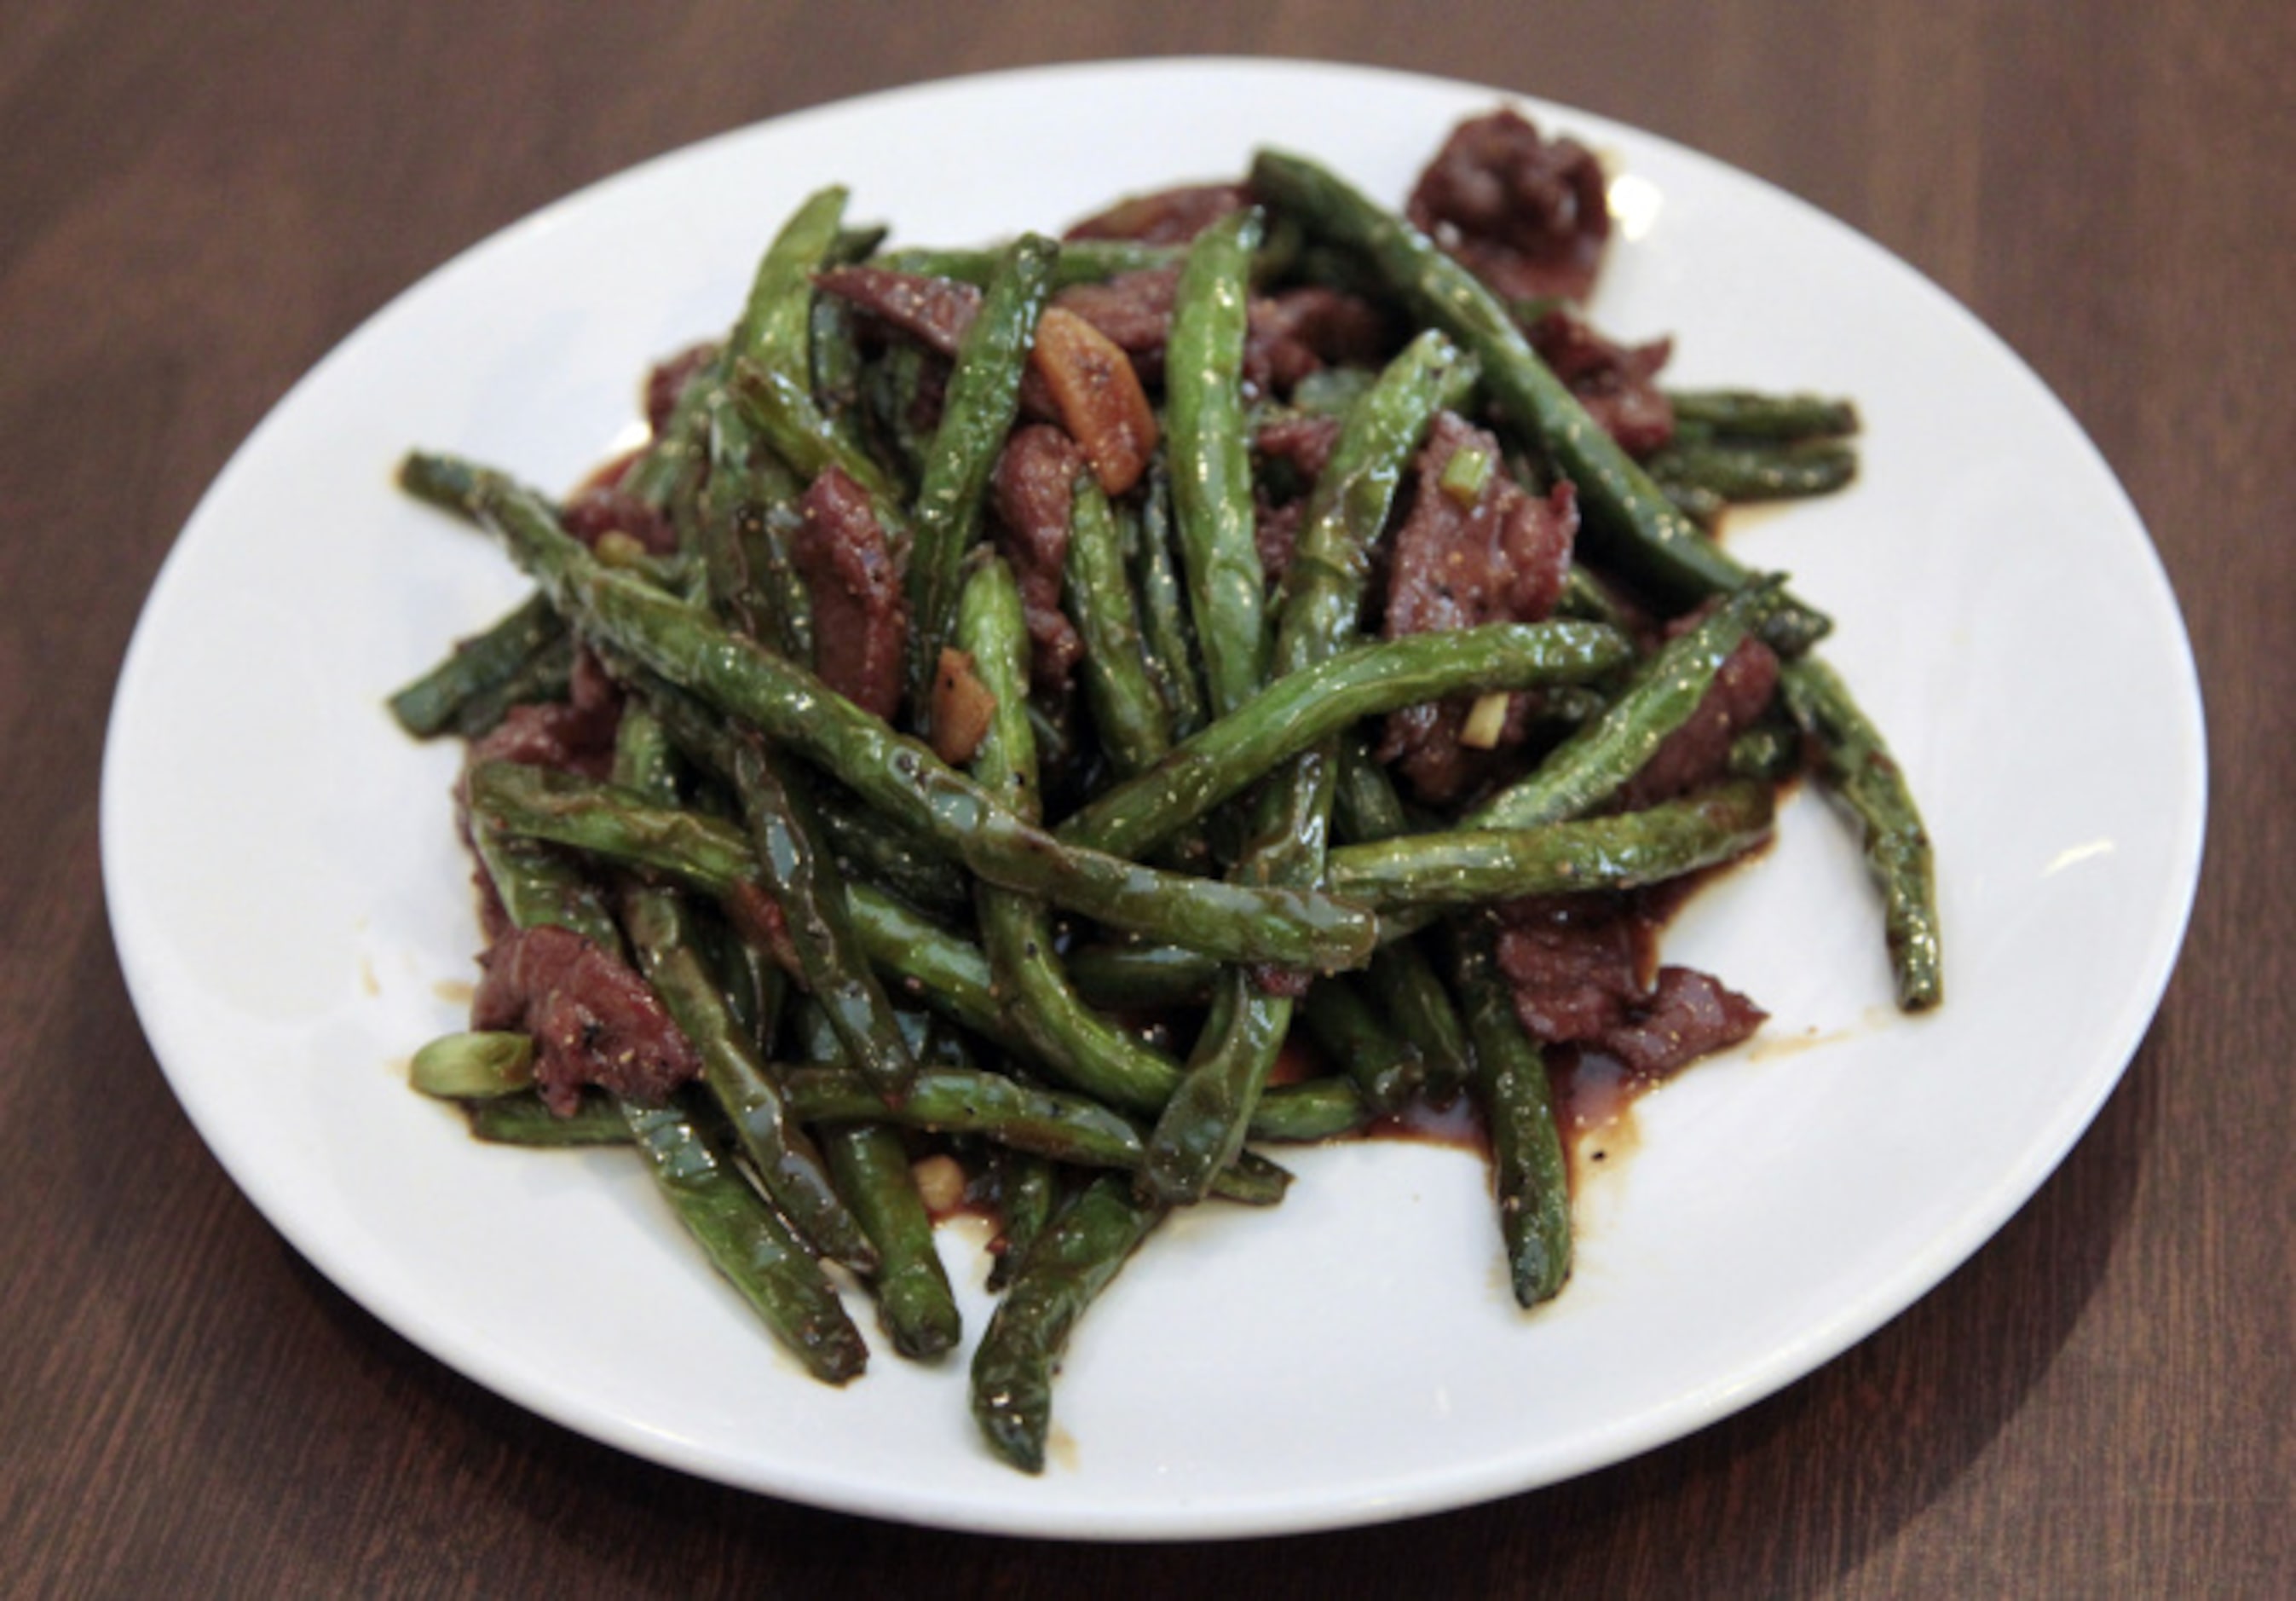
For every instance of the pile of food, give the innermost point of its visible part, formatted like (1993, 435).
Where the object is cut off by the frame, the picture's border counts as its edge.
(1037, 727)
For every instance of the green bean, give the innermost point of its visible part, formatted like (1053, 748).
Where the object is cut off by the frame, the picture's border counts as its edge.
(1304, 708)
(894, 389)
(1596, 761)
(774, 329)
(1026, 1187)
(1138, 977)
(1857, 766)
(869, 1157)
(522, 1119)
(900, 777)
(784, 411)
(1016, 932)
(785, 1161)
(1572, 704)
(1169, 642)
(1324, 587)
(1366, 805)
(1065, 1128)
(664, 473)
(1067, 1269)
(741, 519)
(1081, 261)
(857, 242)
(701, 848)
(873, 850)
(445, 481)
(1465, 867)
(805, 883)
(837, 360)
(1210, 460)
(1322, 599)
(1587, 598)
(915, 1305)
(1070, 1129)
(1417, 1004)
(1329, 391)
(620, 824)
(478, 1064)
(536, 885)
(1701, 504)
(755, 989)
(930, 963)
(743, 1238)
(749, 1243)
(952, 976)
(436, 703)
(934, 968)
(1127, 711)
(1749, 473)
(1624, 511)
(1769, 751)
(1201, 1129)
(983, 397)
(1746, 414)
(1517, 1101)
(546, 677)
(715, 856)
(663, 936)
(1251, 1179)
(1202, 1126)
(1386, 1067)
(1365, 808)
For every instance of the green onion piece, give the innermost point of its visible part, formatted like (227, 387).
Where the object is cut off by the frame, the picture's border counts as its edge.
(1464, 475)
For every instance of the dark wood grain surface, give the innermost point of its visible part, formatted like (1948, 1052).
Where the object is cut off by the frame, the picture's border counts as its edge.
(197, 202)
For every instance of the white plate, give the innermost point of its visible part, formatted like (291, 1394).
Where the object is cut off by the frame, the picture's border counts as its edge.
(293, 916)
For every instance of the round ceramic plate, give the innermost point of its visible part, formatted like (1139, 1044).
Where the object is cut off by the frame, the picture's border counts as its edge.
(293, 915)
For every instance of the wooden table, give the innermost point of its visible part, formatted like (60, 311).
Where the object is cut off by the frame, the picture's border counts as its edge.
(196, 202)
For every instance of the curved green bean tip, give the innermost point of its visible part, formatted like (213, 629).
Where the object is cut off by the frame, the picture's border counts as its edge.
(445, 481)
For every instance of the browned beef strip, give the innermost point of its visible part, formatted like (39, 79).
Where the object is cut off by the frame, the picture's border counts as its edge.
(1686, 1015)
(1699, 751)
(860, 616)
(576, 735)
(668, 380)
(1134, 309)
(1275, 534)
(1302, 443)
(1617, 385)
(1527, 215)
(1034, 490)
(607, 508)
(935, 311)
(1502, 559)
(1300, 331)
(1574, 964)
(594, 1021)
(1288, 335)
(1301, 440)
(1167, 217)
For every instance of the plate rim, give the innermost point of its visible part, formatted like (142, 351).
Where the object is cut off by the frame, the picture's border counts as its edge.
(1460, 1485)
